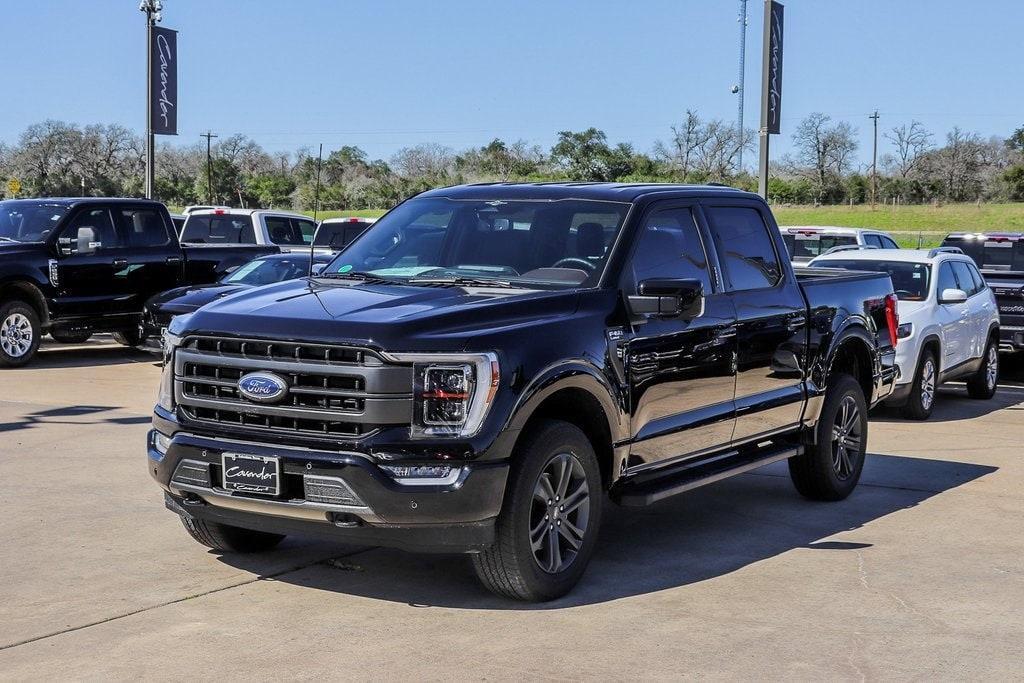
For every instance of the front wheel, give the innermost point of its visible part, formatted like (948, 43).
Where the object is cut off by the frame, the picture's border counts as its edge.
(922, 392)
(983, 383)
(547, 529)
(830, 468)
(20, 333)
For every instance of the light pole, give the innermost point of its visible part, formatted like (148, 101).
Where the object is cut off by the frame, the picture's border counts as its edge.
(738, 88)
(153, 10)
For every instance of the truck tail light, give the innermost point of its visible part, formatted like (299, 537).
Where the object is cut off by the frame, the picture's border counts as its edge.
(892, 318)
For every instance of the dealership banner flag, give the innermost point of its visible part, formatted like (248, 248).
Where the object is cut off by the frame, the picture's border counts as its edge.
(163, 96)
(771, 105)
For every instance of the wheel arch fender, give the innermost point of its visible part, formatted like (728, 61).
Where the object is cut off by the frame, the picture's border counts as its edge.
(578, 392)
(27, 291)
(854, 344)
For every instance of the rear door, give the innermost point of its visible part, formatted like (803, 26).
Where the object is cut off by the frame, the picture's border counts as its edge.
(681, 373)
(953, 318)
(771, 318)
(978, 309)
(91, 272)
(154, 258)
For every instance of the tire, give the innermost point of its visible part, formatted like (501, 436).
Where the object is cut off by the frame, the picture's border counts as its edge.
(922, 394)
(128, 337)
(71, 337)
(983, 383)
(229, 539)
(830, 468)
(20, 333)
(513, 566)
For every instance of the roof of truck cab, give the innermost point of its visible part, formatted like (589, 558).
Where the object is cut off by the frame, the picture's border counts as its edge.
(609, 192)
(827, 229)
(69, 201)
(246, 212)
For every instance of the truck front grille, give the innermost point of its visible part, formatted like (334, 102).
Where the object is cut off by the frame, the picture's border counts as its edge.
(333, 391)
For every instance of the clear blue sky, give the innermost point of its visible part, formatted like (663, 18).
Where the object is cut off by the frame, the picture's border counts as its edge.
(383, 74)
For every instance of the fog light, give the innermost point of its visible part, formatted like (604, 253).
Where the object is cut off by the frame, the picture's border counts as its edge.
(161, 443)
(423, 474)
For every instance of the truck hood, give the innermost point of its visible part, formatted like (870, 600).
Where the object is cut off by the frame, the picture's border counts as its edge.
(188, 299)
(389, 316)
(13, 250)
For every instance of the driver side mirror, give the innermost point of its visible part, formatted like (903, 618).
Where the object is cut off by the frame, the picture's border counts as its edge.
(952, 296)
(668, 298)
(317, 268)
(83, 243)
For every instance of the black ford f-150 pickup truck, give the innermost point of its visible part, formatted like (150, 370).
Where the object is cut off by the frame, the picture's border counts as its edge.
(486, 365)
(72, 267)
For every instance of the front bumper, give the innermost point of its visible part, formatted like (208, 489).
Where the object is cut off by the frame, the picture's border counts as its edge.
(452, 515)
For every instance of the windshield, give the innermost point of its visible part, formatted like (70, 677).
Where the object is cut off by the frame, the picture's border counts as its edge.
(541, 244)
(993, 253)
(29, 221)
(268, 271)
(910, 280)
(806, 247)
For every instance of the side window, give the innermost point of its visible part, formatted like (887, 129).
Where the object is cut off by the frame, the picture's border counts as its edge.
(669, 246)
(745, 247)
(282, 231)
(946, 279)
(888, 243)
(143, 228)
(873, 241)
(964, 277)
(979, 281)
(92, 230)
(304, 228)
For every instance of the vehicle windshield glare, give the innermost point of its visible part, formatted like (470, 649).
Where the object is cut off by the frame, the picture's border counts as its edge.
(29, 221)
(909, 280)
(260, 272)
(541, 244)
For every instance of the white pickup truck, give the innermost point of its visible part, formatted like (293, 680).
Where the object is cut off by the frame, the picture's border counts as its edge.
(287, 230)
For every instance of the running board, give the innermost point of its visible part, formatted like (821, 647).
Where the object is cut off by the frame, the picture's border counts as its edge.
(646, 490)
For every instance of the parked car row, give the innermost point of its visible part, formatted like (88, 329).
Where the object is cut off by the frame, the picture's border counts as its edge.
(283, 229)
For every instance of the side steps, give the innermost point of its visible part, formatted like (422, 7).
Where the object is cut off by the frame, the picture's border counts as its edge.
(647, 488)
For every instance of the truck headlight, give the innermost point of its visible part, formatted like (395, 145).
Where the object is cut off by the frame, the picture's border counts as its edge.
(165, 394)
(451, 392)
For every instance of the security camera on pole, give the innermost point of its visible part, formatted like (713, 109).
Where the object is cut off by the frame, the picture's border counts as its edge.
(161, 83)
(771, 86)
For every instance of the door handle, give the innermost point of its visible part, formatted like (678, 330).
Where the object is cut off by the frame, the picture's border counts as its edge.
(794, 324)
(120, 262)
(174, 259)
(728, 332)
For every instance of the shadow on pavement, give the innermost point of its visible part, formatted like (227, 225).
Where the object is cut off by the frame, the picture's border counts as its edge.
(84, 355)
(701, 535)
(952, 404)
(67, 415)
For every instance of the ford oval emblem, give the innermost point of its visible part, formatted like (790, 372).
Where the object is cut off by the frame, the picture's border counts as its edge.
(262, 387)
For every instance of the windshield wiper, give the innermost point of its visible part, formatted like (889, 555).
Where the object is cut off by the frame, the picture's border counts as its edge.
(7, 239)
(458, 280)
(356, 275)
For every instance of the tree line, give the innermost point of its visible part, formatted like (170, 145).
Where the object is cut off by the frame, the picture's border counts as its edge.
(54, 158)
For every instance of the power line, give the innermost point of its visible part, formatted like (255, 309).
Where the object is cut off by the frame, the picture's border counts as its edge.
(209, 166)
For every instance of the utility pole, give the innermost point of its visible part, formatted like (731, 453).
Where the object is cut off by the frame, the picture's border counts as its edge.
(153, 9)
(874, 161)
(209, 167)
(739, 87)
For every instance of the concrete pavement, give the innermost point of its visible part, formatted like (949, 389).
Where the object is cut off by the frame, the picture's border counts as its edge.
(919, 574)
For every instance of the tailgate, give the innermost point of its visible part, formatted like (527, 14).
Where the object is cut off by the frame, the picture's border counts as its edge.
(1009, 298)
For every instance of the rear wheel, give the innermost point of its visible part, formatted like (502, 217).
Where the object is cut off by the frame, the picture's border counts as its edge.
(229, 539)
(983, 383)
(71, 336)
(922, 393)
(830, 468)
(20, 333)
(547, 529)
(133, 337)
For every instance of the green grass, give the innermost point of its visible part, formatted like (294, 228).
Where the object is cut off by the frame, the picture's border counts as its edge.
(909, 223)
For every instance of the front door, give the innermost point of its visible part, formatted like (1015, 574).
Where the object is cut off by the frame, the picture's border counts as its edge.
(681, 373)
(90, 265)
(954, 319)
(771, 319)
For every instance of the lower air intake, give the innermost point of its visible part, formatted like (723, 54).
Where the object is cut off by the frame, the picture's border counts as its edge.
(329, 490)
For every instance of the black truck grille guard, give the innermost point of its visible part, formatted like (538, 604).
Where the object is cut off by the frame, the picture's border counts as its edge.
(334, 392)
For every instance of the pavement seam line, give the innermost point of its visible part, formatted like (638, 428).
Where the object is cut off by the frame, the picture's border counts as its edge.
(261, 577)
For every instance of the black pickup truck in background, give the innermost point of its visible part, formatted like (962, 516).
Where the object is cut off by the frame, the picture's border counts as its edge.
(484, 366)
(1000, 258)
(72, 267)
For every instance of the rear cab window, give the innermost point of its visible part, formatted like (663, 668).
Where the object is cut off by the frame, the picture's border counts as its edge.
(805, 245)
(992, 252)
(218, 229)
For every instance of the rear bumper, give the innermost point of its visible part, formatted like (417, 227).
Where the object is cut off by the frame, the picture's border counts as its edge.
(1011, 338)
(885, 377)
(455, 514)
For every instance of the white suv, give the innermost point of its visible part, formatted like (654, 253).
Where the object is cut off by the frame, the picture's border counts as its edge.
(949, 321)
(290, 231)
(806, 242)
